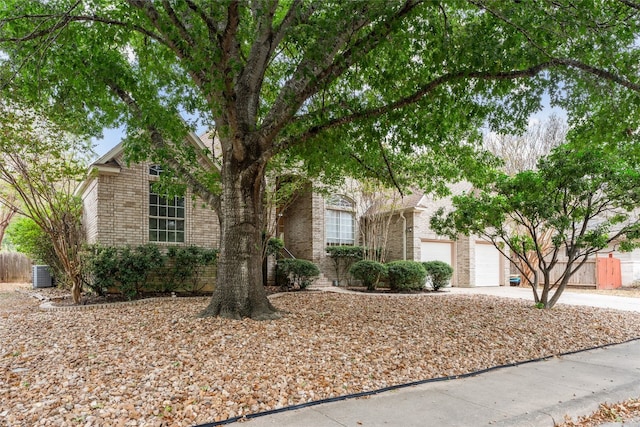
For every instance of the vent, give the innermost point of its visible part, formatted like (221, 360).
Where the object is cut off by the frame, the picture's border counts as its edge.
(41, 277)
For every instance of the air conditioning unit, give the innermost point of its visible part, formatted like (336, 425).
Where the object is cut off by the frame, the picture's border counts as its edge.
(41, 277)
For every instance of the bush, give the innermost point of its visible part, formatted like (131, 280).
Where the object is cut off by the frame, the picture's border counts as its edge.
(406, 275)
(145, 268)
(135, 267)
(101, 266)
(439, 273)
(369, 272)
(185, 266)
(295, 273)
(343, 257)
(274, 246)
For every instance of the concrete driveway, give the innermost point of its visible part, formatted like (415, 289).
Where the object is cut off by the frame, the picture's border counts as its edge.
(567, 297)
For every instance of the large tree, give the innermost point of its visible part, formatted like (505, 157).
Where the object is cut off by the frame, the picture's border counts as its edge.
(335, 87)
(521, 152)
(581, 199)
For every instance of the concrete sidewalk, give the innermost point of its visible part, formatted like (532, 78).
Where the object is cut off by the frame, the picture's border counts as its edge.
(533, 394)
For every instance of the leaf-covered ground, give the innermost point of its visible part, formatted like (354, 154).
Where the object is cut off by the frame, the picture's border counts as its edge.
(627, 411)
(156, 363)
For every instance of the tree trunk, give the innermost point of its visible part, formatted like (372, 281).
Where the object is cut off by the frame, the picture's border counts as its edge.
(76, 290)
(239, 291)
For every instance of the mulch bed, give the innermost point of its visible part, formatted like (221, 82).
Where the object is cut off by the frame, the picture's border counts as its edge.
(159, 364)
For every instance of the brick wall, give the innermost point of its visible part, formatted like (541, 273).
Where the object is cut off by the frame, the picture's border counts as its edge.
(303, 230)
(117, 211)
(298, 221)
(90, 211)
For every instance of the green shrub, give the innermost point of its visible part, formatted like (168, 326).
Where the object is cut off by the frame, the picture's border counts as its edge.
(145, 268)
(135, 267)
(274, 246)
(343, 257)
(185, 266)
(369, 272)
(439, 273)
(101, 265)
(295, 273)
(406, 275)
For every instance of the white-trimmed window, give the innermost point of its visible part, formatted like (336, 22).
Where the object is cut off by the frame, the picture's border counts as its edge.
(166, 214)
(340, 221)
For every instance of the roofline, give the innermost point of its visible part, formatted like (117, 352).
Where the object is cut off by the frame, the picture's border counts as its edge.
(100, 166)
(115, 151)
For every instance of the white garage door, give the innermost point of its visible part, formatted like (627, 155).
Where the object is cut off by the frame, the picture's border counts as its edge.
(436, 251)
(487, 265)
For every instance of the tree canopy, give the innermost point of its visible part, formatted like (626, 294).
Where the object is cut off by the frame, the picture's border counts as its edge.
(391, 90)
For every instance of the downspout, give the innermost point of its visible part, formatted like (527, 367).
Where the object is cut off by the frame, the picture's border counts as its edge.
(404, 235)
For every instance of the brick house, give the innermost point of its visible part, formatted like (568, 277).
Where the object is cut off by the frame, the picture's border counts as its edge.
(120, 208)
(313, 222)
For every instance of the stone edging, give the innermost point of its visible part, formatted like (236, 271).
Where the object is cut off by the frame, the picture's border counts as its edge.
(47, 305)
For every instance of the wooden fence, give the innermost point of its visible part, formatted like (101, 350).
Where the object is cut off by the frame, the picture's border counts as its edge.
(14, 267)
(585, 276)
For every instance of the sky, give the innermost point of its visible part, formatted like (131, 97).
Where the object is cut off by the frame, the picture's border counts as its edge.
(112, 137)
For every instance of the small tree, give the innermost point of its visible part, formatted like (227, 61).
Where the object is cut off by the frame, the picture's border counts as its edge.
(8, 209)
(438, 273)
(585, 197)
(374, 204)
(42, 165)
(522, 152)
(343, 257)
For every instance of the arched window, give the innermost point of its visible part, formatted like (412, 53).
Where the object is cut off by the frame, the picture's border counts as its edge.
(340, 221)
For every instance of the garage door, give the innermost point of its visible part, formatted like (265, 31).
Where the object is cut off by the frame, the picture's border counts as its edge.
(436, 251)
(487, 265)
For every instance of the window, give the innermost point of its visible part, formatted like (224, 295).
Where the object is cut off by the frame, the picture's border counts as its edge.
(340, 221)
(166, 218)
(155, 170)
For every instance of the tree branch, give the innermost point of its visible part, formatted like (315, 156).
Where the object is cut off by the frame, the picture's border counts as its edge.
(450, 78)
(630, 3)
(159, 142)
(311, 76)
(68, 18)
(178, 23)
